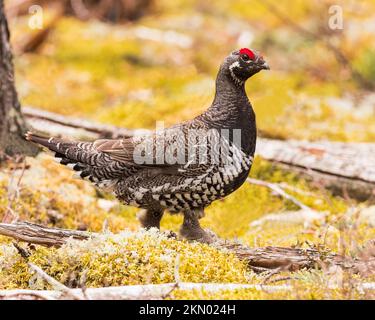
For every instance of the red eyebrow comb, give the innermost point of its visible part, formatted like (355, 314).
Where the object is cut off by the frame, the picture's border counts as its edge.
(248, 52)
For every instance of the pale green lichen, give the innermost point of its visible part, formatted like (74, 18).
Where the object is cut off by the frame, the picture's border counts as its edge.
(122, 259)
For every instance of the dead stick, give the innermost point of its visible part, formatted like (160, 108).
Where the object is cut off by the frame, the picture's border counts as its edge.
(37, 234)
(23, 295)
(280, 191)
(101, 130)
(141, 292)
(54, 283)
(155, 291)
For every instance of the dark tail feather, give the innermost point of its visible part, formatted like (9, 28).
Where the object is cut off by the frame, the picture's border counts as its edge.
(55, 144)
(79, 156)
(29, 136)
(60, 147)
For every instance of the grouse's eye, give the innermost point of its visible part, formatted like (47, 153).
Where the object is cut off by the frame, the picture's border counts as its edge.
(247, 54)
(245, 57)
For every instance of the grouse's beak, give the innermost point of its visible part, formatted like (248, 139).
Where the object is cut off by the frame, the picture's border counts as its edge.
(265, 66)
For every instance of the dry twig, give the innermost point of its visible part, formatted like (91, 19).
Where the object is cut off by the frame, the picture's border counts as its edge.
(276, 188)
(13, 193)
(153, 291)
(37, 234)
(69, 293)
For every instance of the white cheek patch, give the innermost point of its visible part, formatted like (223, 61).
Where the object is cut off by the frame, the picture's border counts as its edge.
(235, 78)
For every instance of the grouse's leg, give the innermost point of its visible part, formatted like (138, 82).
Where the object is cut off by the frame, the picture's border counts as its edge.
(191, 229)
(150, 218)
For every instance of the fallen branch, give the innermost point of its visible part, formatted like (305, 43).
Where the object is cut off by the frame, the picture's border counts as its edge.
(54, 283)
(23, 295)
(53, 123)
(305, 217)
(138, 292)
(267, 258)
(271, 258)
(37, 234)
(285, 185)
(306, 213)
(13, 194)
(341, 167)
(149, 291)
(276, 188)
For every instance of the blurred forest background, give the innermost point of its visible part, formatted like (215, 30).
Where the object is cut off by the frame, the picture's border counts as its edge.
(163, 65)
(149, 61)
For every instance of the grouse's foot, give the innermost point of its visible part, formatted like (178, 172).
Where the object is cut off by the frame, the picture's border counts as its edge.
(191, 229)
(150, 218)
(197, 235)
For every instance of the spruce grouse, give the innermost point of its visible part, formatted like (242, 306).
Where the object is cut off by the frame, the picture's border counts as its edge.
(182, 168)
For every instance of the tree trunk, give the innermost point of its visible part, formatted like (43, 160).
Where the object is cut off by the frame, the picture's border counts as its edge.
(12, 124)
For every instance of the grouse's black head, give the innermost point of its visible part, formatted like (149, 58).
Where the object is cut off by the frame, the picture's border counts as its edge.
(244, 63)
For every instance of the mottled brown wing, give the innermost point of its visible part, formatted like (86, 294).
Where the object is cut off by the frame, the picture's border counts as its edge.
(119, 150)
(123, 151)
(127, 151)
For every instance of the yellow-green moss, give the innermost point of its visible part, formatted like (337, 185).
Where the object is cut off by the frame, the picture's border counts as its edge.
(123, 259)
